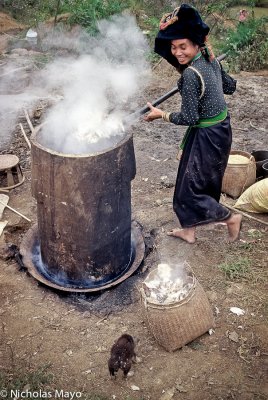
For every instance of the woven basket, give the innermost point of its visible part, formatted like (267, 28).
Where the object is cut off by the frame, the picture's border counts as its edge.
(238, 177)
(177, 324)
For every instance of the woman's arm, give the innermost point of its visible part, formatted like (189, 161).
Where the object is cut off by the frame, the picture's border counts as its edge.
(190, 92)
(228, 83)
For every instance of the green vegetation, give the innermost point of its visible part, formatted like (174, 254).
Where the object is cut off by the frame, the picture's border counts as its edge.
(257, 11)
(255, 234)
(34, 11)
(236, 269)
(39, 382)
(247, 46)
(17, 379)
(246, 246)
(246, 43)
(88, 12)
(246, 3)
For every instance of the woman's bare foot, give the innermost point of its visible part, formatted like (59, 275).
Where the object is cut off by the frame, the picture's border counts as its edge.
(234, 225)
(187, 234)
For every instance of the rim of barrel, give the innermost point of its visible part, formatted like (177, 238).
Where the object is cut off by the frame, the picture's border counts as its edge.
(260, 155)
(265, 166)
(34, 141)
(31, 236)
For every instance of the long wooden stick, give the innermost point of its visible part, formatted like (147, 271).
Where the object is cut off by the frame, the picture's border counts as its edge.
(240, 129)
(25, 137)
(13, 70)
(255, 127)
(158, 63)
(245, 214)
(15, 211)
(29, 121)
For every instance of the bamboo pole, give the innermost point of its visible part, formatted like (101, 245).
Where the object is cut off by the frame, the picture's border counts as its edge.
(245, 214)
(29, 121)
(13, 70)
(25, 137)
(255, 127)
(15, 211)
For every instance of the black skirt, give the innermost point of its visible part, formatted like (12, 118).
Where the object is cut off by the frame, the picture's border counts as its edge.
(199, 180)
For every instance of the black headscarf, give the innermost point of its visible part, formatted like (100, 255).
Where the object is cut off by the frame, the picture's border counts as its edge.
(183, 23)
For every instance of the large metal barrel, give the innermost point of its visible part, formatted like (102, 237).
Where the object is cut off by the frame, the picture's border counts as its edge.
(83, 212)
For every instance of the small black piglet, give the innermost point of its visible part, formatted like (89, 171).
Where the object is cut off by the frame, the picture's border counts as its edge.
(122, 355)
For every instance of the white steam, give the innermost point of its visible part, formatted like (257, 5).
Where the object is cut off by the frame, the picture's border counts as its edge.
(14, 78)
(168, 283)
(98, 86)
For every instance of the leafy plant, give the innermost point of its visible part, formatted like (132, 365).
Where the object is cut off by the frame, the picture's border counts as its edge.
(36, 379)
(88, 12)
(235, 269)
(247, 46)
(255, 233)
(246, 246)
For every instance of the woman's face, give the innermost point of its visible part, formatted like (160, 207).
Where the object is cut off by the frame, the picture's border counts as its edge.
(184, 50)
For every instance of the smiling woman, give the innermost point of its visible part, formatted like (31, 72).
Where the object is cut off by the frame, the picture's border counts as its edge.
(182, 41)
(184, 50)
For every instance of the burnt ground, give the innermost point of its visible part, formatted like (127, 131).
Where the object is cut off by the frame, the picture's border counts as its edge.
(73, 333)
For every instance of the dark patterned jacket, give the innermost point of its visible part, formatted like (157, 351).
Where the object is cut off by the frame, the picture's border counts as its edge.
(202, 87)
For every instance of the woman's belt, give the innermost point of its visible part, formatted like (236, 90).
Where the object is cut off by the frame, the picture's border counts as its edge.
(204, 123)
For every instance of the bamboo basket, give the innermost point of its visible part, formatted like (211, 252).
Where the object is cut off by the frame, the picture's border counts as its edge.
(238, 177)
(174, 325)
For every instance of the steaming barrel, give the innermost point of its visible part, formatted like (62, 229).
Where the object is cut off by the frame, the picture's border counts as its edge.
(83, 212)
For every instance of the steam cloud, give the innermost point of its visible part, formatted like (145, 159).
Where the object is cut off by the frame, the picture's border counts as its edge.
(98, 86)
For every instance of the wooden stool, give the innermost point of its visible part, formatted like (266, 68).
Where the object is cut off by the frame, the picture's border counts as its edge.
(10, 171)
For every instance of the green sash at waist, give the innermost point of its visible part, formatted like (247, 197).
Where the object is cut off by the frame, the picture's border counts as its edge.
(204, 123)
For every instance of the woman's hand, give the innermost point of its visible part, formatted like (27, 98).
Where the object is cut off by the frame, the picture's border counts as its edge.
(154, 113)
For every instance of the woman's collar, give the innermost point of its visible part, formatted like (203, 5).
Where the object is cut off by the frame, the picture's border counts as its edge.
(198, 55)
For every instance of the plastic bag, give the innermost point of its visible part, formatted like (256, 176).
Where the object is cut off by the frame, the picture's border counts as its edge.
(255, 198)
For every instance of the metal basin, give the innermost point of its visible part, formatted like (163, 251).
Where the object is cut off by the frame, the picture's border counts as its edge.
(261, 156)
(265, 169)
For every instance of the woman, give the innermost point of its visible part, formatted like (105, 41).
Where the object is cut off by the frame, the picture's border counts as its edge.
(206, 145)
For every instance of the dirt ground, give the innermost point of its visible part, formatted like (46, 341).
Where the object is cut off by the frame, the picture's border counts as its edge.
(8, 26)
(73, 333)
